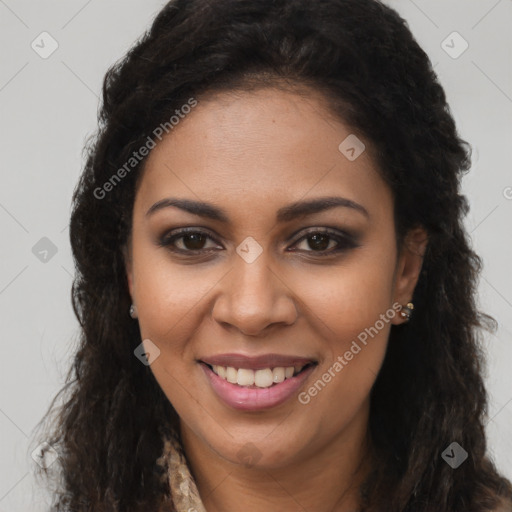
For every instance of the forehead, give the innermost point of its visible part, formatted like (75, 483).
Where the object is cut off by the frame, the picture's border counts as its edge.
(262, 146)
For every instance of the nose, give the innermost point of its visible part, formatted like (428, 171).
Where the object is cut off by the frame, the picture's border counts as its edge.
(253, 297)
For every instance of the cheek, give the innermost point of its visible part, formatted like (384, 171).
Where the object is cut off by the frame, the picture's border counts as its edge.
(350, 296)
(169, 295)
(352, 308)
(171, 301)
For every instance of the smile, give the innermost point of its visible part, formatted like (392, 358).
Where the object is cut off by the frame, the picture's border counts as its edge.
(264, 378)
(252, 384)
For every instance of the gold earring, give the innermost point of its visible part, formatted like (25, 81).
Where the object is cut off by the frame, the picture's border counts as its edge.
(406, 311)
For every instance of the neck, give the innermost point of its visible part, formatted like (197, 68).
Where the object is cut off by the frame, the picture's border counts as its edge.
(327, 479)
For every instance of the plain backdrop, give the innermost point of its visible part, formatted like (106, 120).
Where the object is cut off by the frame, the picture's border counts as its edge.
(48, 107)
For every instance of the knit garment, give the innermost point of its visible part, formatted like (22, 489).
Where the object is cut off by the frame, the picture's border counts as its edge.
(184, 493)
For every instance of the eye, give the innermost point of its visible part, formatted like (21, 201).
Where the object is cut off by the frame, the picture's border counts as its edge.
(326, 242)
(188, 240)
(323, 242)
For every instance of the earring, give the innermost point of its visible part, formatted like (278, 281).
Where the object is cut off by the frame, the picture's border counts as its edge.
(406, 311)
(133, 311)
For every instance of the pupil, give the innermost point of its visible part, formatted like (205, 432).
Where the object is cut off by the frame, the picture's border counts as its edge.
(319, 241)
(195, 241)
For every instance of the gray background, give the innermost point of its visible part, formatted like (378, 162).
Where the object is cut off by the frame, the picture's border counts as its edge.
(48, 107)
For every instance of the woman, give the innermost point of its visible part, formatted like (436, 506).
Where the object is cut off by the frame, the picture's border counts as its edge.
(275, 288)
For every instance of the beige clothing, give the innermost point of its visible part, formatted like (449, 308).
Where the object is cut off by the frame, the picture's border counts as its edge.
(185, 495)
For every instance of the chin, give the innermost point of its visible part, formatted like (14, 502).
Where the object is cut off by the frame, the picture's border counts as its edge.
(265, 454)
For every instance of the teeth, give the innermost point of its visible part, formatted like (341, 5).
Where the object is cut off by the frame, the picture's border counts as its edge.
(278, 374)
(260, 378)
(245, 377)
(263, 378)
(231, 375)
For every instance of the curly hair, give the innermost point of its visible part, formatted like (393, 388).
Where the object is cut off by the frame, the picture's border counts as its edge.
(361, 55)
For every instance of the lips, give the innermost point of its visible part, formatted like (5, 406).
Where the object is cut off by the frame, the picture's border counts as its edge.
(255, 383)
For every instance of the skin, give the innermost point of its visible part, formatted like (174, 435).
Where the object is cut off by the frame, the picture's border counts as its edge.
(251, 153)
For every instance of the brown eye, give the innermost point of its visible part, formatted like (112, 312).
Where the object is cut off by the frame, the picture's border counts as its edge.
(188, 241)
(318, 242)
(326, 242)
(194, 241)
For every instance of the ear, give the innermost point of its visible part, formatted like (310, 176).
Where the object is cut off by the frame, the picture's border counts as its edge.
(410, 261)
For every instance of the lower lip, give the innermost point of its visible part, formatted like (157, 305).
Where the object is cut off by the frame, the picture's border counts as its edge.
(255, 399)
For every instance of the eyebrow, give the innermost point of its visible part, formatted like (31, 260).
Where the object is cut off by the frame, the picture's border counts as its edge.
(284, 214)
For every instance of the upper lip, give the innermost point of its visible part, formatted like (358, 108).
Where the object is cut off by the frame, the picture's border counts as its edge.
(256, 362)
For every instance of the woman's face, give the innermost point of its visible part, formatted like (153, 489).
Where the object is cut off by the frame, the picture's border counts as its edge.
(270, 276)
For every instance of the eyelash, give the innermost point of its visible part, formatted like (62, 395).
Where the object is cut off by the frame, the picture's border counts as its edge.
(345, 241)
